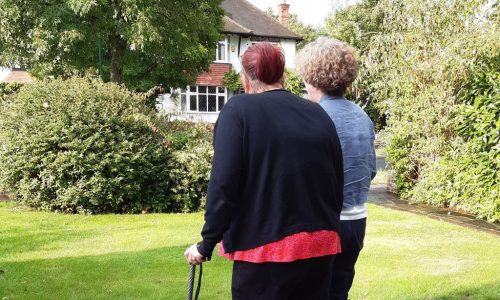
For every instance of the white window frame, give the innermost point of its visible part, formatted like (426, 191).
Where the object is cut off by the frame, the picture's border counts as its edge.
(224, 44)
(193, 93)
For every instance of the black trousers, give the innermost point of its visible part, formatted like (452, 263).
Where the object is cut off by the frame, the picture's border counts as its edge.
(352, 235)
(307, 279)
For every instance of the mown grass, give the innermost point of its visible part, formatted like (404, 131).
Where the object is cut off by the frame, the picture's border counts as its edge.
(52, 256)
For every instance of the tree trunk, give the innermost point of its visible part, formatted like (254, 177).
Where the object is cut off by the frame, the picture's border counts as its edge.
(119, 45)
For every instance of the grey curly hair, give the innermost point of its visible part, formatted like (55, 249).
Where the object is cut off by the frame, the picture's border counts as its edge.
(329, 65)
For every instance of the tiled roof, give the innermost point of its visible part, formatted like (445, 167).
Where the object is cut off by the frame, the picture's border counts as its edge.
(215, 75)
(242, 17)
(230, 26)
(17, 76)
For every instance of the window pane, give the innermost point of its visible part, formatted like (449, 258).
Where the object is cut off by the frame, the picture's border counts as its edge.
(221, 102)
(192, 89)
(212, 103)
(221, 55)
(192, 102)
(202, 89)
(203, 103)
(222, 90)
(183, 102)
(183, 91)
(212, 89)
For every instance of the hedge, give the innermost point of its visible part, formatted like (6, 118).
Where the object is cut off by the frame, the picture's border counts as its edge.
(429, 66)
(83, 146)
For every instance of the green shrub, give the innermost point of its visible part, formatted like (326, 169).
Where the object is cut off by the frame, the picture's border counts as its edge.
(418, 58)
(189, 175)
(190, 164)
(468, 176)
(83, 146)
(182, 134)
(293, 83)
(357, 25)
(232, 81)
(8, 89)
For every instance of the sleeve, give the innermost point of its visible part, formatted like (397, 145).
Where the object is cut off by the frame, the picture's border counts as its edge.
(373, 157)
(225, 178)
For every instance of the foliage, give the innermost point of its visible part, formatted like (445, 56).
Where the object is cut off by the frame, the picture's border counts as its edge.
(139, 173)
(307, 32)
(468, 176)
(7, 89)
(144, 42)
(417, 67)
(189, 175)
(357, 25)
(190, 164)
(88, 147)
(232, 81)
(293, 82)
(480, 114)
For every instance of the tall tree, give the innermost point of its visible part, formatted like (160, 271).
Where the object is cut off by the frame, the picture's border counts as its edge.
(356, 24)
(143, 42)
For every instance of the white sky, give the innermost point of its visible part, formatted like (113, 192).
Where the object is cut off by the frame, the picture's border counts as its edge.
(311, 12)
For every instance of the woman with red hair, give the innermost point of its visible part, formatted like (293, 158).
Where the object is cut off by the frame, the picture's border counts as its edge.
(275, 190)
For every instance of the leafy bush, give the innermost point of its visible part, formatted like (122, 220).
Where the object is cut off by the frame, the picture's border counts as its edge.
(7, 89)
(83, 146)
(293, 83)
(418, 60)
(468, 176)
(189, 175)
(357, 25)
(190, 164)
(232, 81)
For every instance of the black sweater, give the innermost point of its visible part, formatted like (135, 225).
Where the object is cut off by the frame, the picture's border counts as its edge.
(277, 170)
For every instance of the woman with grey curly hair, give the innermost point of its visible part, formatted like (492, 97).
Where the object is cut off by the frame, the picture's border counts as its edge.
(328, 67)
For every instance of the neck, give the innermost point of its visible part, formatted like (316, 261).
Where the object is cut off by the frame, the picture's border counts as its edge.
(265, 87)
(314, 94)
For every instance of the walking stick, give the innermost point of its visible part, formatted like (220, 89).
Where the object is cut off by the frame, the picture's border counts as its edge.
(192, 273)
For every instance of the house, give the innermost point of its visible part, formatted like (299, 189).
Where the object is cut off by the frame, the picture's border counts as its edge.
(244, 25)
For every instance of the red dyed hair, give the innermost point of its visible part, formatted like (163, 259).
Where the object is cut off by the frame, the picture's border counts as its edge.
(264, 62)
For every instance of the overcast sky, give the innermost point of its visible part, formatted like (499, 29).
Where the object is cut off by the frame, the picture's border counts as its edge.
(311, 12)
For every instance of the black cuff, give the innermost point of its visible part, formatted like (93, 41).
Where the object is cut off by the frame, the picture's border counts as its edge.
(206, 248)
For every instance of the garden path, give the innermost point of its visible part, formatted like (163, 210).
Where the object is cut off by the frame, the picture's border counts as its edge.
(379, 195)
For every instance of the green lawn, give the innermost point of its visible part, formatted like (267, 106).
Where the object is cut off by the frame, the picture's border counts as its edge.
(52, 256)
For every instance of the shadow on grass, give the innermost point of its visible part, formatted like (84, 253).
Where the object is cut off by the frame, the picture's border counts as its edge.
(153, 274)
(485, 292)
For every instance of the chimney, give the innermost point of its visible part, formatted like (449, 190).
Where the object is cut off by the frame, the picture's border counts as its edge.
(283, 13)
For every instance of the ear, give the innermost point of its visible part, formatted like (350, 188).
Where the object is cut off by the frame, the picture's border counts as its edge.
(246, 83)
(313, 93)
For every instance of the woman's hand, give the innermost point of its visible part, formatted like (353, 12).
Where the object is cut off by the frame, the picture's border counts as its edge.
(193, 257)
